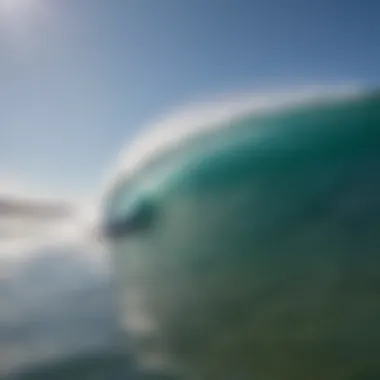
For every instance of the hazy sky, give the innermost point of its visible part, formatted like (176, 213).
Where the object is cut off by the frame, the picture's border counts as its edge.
(78, 78)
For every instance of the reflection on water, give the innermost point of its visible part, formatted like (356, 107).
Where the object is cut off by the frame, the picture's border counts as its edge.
(57, 318)
(104, 365)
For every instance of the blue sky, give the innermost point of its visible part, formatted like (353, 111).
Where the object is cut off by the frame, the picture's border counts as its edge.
(79, 78)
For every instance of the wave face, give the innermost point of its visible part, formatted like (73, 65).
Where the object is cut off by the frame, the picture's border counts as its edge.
(252, 250)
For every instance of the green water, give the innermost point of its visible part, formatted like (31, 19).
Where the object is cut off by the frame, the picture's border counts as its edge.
(258, 145)
(262, 257)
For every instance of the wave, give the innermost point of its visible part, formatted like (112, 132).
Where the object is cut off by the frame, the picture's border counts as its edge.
(170, 136)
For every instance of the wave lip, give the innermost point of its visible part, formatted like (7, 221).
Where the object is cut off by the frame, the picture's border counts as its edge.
(176, 130)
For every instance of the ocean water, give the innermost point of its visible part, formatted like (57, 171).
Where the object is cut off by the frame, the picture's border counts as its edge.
(254, 248)
(251, 249)
(55, 303)
(58, 318)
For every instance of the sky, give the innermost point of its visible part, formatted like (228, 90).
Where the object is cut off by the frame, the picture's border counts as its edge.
(79, 79)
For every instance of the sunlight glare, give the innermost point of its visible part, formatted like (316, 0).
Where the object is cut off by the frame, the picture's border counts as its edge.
(13, 10)
(18, 18)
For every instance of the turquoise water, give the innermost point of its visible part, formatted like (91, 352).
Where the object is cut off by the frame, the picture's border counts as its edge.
(258, 145)
(260, 256)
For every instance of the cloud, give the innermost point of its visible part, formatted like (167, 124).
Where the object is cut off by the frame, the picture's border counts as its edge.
(32, 218)
(34, 209)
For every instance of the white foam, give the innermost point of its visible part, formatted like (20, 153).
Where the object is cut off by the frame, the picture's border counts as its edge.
(178, 128)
